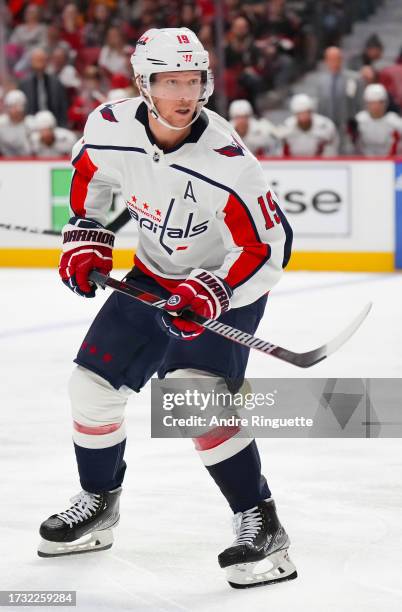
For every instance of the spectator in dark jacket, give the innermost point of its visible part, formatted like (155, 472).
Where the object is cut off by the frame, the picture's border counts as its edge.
(242, 59)
(372, 52)
(44, 91)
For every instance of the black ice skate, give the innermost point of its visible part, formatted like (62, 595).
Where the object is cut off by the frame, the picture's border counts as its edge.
(259, 553)
(84, 527)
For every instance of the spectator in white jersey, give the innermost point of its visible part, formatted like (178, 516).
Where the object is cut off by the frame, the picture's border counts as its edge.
(15, 126)
(259, 135)
(47, 139)
(376, 131)
(306, 133)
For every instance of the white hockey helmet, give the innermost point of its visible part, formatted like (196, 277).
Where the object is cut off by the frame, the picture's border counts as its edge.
(170, 50)
(375, 93)
(240, 108)
(301, 103)
(44, 120)
(15, 97)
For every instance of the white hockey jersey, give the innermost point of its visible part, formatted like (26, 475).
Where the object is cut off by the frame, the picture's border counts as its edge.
(321, 140)
(203, 204)
(61, 146)
(261, 137)
(378, 136)
(14, 137)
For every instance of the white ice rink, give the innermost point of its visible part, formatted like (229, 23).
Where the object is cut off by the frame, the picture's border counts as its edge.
(340, 500)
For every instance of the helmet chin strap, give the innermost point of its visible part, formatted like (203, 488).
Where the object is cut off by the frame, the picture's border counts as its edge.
(155, 113)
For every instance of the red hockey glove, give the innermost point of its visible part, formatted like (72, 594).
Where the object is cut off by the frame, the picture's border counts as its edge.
(87, 246)
(202, 292)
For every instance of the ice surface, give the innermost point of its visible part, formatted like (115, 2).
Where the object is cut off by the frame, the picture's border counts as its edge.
(340, 500)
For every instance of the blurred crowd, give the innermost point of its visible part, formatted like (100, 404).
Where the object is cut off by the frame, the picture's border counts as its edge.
(62, 59)
(350, 113)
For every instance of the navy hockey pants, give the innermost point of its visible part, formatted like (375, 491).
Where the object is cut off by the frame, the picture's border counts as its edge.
(126, 346)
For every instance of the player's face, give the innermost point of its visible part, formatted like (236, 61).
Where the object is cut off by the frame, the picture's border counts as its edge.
(376, 109)
(47, 136)
(16, 113)
(304, 120)
(241, 124)
(175, 95)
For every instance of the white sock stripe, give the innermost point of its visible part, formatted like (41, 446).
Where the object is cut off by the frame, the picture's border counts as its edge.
(94, 404)
(105, 441)
(227, 449)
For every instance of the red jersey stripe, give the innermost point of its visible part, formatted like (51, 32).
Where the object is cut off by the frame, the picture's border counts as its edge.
(84, 171)
(166, 283)
(255, 253)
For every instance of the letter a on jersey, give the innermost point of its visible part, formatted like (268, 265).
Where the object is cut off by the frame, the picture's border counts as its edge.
(189, 193)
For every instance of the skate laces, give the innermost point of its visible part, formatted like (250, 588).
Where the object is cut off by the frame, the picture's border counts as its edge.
(246, 525)
(84, 504)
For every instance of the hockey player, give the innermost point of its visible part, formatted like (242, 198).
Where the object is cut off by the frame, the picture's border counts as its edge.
(213, 238)
(376, 131)
(49, 140)
(15, 126)
(307, 134)
(257, 134)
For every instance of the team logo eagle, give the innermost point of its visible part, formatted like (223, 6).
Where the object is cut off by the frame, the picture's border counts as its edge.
(232, 150)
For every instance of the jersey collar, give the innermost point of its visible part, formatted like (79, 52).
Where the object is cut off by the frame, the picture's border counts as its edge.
(197, 129)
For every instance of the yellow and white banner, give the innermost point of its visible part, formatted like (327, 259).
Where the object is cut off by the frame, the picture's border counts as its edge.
(342, 212)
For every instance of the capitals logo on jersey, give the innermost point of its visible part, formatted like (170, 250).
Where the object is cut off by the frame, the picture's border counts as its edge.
(231, 150)
(153, 223)
(107, 111)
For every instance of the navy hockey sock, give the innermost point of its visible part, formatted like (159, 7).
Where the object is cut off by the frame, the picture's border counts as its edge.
(101, 469)
(240, 479)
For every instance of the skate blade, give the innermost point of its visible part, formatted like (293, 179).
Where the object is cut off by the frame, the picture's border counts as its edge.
(277, 567)
(92, 542)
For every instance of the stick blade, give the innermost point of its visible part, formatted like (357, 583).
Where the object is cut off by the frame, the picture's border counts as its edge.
(347, 333)
(310, 358)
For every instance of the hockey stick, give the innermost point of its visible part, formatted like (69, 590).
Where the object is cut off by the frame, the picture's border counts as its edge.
(303, 360)
(29, 230)
(113, 226)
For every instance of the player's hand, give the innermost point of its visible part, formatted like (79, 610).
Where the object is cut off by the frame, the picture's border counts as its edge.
(203, 293)
(87, 246)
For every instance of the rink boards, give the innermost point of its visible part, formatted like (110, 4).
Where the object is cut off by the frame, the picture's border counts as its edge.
(346, 213)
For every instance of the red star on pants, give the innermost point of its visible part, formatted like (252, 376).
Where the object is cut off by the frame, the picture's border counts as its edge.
(146, 206)
(134, 199)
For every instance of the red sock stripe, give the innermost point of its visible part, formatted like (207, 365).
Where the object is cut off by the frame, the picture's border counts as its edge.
(243, 233)
(215, 437)
(100, 430)
(84, 171)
